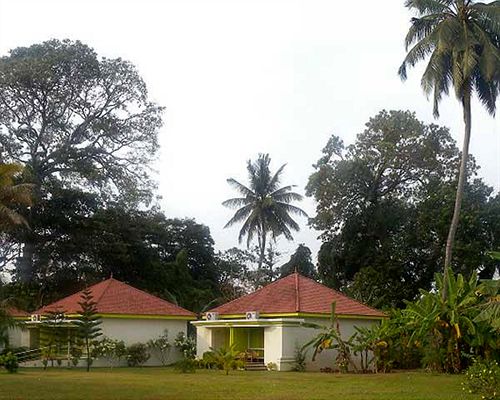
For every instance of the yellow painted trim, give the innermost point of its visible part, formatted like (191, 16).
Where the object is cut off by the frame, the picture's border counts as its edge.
(139, 316)
(21, 318)
(245, 323)
(303, 315)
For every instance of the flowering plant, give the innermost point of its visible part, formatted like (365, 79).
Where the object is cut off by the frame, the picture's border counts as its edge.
(186, 346)
(483, 378)
(161, 346)
(112, 349)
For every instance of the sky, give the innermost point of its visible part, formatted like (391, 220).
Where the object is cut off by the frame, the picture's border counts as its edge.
(239, 78)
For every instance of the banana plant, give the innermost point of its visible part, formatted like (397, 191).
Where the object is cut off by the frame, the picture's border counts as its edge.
(331, 339)
(446, 324)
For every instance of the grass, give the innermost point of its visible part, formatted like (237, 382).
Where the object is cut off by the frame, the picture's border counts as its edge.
(159, 383)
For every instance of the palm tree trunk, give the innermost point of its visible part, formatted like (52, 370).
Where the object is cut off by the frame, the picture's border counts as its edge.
(262, 245)
(462, 178)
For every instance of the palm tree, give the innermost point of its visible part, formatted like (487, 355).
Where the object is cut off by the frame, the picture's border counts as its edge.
(264, 207)
(462, 40)
(11, 195)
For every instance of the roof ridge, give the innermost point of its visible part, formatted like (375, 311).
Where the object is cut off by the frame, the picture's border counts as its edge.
(103, 291)
(343, 294)
(297, 292)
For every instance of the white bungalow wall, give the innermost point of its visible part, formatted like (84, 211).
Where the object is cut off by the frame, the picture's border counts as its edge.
(141, 331)
(293, 336)
(18, 337)
(281, 340)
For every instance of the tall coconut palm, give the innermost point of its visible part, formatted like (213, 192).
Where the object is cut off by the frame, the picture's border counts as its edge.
(12, 195)
(264, 207)
(461, 39)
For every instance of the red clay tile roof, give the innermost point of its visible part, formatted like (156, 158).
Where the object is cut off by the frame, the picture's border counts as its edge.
(16, 312)
(115, 297)
(296, 293)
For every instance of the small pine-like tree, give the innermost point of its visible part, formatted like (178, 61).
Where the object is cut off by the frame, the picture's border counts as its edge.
(88, 323)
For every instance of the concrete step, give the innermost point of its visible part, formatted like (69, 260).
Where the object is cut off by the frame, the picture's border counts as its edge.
(255, 366)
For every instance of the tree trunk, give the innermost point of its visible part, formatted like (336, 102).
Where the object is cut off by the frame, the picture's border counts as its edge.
(25, 266)
(462, 178)
(262, 245)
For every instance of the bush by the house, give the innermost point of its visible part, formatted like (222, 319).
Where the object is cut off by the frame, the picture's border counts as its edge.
(161, 347)
(113, 350)
(227, 358)
(137, 354)
(9, 362)
(483, 378)
(271, 366)
(186, 365)
(185, 345)
(76, 353)
(299, 362)
(207, 361)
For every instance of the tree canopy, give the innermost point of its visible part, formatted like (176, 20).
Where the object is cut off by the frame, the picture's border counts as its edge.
(383, 206)
(265, 208)
(76, 121)
(461, 40)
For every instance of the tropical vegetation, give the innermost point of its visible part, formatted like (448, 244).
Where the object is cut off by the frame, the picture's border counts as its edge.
(461, 41)
(265, 208)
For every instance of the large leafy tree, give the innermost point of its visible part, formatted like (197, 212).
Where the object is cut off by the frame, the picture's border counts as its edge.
(461, 40)
(75, 120)
(265, 208)
(300, 261)
(383, 206)
(83, 243)
(12, 195)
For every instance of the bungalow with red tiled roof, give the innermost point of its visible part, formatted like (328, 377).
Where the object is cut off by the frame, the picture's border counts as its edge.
(269, 325)
(16, 337)
(127, 314)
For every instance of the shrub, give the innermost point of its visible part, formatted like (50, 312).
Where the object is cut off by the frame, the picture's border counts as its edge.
(228, 358)
(186, 365)
(208, 361)
(162, 347)
(137, 354)
(271, 366)
(114, 350)
(9, 362)
(483, 378)
(76, 353)
(299, 360)
(185, 345)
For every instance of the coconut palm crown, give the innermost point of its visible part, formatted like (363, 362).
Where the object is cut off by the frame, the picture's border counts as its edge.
(265, 208)
(461, 40)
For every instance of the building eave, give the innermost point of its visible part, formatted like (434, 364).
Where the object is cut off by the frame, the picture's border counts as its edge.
(261, 322)
(306, 315)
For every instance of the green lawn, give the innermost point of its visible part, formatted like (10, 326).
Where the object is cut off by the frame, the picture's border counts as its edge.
(158, 383)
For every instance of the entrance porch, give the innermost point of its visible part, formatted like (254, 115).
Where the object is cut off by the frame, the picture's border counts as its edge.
(261, 341)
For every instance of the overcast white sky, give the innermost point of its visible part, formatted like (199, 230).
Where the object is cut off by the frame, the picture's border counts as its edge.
(243, 77)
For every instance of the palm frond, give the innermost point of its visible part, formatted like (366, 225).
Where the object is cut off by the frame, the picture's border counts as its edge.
(239, 215)
(290, 208)
(237, 202)
(417, 53)
(421, 28)
(275, 180)
(430, 6)
(245, 191)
